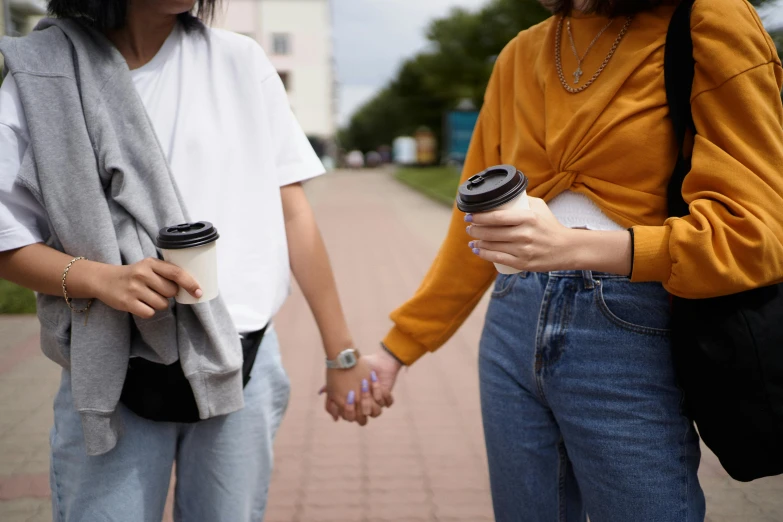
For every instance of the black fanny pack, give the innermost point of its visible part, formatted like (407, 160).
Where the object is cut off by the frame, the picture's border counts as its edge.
(162, 393)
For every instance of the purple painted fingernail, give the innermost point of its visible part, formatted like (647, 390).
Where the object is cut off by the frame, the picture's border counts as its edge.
(471, 244)
(374, 376)
(468, 229)
(365, 386)
(476, 251)
(351, 397)
(469, 218)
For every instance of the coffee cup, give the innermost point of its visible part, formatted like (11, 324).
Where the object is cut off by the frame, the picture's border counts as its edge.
(193, 248)
(497, 188)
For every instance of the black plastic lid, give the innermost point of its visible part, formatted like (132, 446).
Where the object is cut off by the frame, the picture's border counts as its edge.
(490, 189)
(187, 235)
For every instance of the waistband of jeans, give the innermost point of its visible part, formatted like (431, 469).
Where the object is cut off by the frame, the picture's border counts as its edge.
(585, 274)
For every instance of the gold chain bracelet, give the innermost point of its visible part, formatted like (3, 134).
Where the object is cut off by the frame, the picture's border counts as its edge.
(68, 300)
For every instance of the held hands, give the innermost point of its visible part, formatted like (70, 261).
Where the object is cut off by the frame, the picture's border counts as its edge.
(360, 392)
(531, 240)
(143, 287)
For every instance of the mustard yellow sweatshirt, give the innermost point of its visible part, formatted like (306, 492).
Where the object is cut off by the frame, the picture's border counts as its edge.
(615, 144)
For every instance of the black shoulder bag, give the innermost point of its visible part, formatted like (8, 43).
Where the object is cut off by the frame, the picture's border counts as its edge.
(728, 351)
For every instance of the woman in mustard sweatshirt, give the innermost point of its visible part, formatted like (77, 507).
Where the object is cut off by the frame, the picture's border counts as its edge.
(581, 410)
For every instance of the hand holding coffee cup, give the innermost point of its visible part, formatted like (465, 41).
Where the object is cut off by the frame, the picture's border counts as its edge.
(498, 188)
(193, 248)
(141, 288)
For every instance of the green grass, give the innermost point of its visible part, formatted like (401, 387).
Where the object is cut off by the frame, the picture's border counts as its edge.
(15, 299)
(439, 183)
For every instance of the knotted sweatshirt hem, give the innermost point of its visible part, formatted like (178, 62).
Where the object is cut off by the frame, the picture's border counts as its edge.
(217, 393)
(101, 429)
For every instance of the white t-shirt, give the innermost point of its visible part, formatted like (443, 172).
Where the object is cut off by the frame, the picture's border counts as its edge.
(221, 114)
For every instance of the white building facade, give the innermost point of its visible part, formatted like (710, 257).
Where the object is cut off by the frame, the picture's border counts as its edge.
(297, 37)
(18, 17)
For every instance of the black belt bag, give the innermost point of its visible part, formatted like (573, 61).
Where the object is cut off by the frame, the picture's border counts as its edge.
(162, 393)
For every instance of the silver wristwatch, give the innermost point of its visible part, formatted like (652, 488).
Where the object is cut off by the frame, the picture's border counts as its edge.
(345, 360)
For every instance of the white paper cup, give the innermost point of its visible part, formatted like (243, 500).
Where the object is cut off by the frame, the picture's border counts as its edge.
(502, 187)
(520, 202)
(193, 248)
(201, 263)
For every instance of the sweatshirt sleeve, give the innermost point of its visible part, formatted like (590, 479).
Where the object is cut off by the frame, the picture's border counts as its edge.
(732, 240)
(457, 279)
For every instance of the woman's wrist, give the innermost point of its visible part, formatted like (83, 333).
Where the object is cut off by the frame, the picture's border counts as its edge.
(85, 278)
(391, 355)
(607, 251)
(336, 340)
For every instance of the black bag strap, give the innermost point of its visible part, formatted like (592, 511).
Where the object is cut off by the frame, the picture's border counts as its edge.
(679, 70)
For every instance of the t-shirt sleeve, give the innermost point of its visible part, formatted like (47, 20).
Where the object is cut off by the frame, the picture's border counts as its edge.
(294, 156)
(22, 218)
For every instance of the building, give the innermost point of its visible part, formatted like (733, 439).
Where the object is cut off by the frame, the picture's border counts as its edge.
(297, 36)
(18, 17)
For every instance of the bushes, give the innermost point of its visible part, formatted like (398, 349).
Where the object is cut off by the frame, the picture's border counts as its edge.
(15, 299)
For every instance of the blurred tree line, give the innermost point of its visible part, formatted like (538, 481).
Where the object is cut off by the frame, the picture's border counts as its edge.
(777, 35)
(456, 66)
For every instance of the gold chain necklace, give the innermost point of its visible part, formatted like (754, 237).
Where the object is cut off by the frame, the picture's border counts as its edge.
(559, 57)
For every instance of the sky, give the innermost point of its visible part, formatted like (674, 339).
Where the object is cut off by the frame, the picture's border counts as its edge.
(373, 37)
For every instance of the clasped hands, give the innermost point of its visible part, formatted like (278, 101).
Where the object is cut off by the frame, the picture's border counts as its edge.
(363, 391)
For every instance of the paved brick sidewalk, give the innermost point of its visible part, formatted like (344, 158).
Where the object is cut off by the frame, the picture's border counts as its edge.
(28, 382)
(423, 460)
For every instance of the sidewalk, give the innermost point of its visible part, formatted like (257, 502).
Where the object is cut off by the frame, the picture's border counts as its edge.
(423, 460)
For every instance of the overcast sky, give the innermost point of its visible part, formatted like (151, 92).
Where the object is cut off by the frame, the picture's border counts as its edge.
(373, 37)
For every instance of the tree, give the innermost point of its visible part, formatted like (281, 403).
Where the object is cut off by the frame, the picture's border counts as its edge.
(776, 33)
(456, 66)
(777, 36)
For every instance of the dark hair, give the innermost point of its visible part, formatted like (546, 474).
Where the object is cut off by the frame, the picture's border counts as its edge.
(606, 7)
(111, 14)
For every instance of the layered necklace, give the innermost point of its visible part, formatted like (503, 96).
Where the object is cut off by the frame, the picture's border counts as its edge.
(578, 73)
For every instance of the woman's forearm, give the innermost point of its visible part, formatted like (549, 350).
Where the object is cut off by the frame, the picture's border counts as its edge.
(602, 251)
(140, 288)
(312, 270)
(40, 268)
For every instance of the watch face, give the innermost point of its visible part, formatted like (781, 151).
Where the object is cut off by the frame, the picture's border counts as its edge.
(347, 360)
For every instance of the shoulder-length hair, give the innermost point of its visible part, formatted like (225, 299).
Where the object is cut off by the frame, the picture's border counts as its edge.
(606, 7)
(105, 15)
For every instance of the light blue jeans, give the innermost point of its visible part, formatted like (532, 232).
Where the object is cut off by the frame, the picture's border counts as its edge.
(223, 465)
(582, 415)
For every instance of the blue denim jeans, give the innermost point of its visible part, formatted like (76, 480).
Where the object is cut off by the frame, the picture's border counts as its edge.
(582, 415)
(223, 465)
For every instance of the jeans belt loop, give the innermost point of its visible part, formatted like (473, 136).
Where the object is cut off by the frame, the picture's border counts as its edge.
(587, 275)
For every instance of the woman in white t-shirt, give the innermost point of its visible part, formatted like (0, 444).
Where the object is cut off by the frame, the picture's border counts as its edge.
(222, 118)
